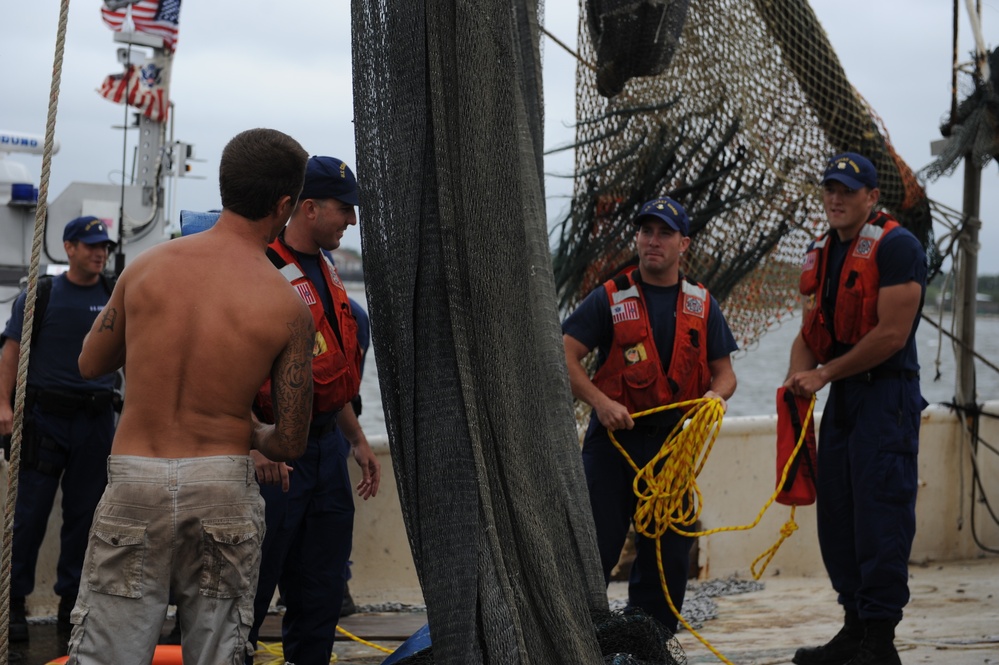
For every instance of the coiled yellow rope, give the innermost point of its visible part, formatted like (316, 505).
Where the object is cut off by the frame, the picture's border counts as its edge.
(668, 496)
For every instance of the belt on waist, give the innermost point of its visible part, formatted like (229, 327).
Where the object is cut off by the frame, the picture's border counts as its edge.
(316, 431)
(878, 373)
(66, 400)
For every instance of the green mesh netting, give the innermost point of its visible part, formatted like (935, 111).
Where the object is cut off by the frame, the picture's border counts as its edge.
(448, 112)
(737, 126)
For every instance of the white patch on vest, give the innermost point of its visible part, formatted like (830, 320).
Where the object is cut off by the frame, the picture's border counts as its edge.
(694, 298)
(869, 236)
(693, 305)
(626, 311)
(810, 260)
(291, 272)
(864, 248)
(631, 292)
(334, 276)
(305, 290)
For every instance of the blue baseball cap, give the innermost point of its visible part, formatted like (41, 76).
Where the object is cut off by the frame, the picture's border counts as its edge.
(89, 229)
(329, 178)
(668, 211)
(853, 170)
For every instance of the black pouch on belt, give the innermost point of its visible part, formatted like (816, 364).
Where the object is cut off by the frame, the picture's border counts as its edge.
(40, 453)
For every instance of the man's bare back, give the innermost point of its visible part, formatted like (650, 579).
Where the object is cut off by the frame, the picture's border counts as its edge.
(205, 320)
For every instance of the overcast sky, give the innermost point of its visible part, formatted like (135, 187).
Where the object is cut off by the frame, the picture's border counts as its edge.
(250, 63)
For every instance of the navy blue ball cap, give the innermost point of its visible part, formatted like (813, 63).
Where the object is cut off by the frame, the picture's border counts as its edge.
(329, 178)
(89, 229)
(668, 211)
(853, 170)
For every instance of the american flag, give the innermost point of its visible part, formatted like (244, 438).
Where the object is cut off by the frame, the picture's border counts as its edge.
(155, 17)
(142, 87)
(626, 311)
(305, 291)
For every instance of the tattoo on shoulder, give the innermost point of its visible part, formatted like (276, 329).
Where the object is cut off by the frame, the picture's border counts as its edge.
(108, 319)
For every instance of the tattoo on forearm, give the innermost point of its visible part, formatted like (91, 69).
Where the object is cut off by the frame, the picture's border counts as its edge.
(299, 368)
(108, 319)
(292, 375)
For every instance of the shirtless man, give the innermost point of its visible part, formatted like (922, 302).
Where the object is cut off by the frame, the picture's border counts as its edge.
(203, 321)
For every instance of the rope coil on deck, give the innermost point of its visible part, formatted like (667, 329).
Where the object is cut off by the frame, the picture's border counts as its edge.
(669, 497)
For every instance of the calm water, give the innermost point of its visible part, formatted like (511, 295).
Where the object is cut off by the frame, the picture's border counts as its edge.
(761, 369)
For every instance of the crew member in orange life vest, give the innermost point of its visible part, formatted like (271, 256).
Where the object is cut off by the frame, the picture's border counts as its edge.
(660, 339)
(310, 512)
(864, 280)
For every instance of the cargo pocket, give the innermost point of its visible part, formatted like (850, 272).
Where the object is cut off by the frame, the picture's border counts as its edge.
(117, 549)
(899, 476)
(244, 647)
(77, 618)
(230, 549)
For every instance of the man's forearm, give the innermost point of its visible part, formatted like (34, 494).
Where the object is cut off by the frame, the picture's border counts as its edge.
(347, 421)
(802, 358)
(8, 369)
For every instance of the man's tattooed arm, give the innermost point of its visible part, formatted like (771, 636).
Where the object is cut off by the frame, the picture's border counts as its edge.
(104, 346)
(291, 389)
(108, 317)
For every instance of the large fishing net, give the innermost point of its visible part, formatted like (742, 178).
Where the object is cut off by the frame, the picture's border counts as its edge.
(739, 105)
(737, 124)
(448, 112)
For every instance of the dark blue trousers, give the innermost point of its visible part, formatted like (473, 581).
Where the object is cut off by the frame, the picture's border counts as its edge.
(74, 454)
(306, 547)
(866, 492)
(609, 479)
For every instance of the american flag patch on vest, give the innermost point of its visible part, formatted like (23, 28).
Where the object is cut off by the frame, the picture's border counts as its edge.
(305, 291)
(626, 311)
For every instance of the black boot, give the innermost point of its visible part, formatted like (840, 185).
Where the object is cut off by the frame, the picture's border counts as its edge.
(878, 646)
(18, 627)
(839, 650)
(348, 606)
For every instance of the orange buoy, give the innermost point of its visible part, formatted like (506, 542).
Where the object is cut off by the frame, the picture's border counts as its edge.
(799, 487)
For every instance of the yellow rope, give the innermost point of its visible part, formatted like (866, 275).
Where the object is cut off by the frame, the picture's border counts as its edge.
(274, 653)
(29, 312)
(363, 641)
(790, 526)
(671, 495)
(669, 498)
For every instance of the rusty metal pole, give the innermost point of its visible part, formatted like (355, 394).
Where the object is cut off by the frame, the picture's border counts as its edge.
(966, 287)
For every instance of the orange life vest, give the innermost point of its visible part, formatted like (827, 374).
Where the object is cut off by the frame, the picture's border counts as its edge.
(336, 356)
(632, 372)
(856, 311)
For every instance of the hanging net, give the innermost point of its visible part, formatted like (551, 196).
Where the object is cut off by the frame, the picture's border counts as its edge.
(974, 129)
(448, 112)
(737, 125)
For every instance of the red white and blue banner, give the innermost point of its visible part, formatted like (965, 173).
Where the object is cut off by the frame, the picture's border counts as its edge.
(154, 17)
(141, 86)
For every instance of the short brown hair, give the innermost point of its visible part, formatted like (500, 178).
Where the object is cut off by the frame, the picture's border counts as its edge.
(258, 167)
